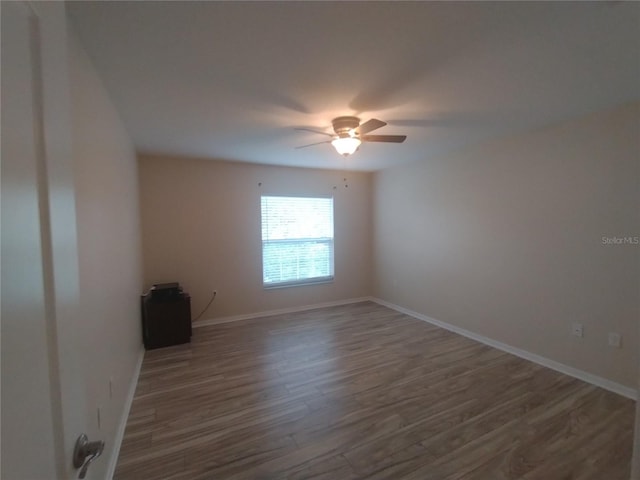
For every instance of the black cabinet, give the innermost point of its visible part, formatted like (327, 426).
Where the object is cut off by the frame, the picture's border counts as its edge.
(166, 320)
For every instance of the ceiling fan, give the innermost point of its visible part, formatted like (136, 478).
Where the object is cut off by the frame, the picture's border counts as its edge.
(349, 134)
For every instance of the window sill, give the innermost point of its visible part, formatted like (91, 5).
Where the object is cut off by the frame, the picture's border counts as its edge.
(301, 283)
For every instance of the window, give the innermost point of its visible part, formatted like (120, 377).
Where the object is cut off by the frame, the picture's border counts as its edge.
(297, 240)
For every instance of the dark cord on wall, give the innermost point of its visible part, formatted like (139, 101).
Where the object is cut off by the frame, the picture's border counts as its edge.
(208, 305)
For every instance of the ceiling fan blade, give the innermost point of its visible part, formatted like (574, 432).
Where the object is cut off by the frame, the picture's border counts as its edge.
(370, 125)
(312, 144)
(384, 138)
(314, 131)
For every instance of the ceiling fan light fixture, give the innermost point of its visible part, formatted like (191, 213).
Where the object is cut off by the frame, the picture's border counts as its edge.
(350, 133)
(346, 145)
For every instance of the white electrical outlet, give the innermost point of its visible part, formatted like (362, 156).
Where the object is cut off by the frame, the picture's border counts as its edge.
(577, 330)
(615, 340)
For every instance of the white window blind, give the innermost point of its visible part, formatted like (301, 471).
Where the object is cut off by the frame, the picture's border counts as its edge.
(297, 240)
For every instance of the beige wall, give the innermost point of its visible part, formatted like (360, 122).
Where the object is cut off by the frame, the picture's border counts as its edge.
(201, 227)
(505, 240)
(109, 250)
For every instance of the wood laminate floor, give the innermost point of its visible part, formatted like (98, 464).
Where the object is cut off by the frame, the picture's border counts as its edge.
(363, 392)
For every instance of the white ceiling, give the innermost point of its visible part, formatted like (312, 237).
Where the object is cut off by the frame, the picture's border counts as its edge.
(231, 80)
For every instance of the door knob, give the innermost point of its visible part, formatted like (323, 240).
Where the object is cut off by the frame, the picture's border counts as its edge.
(86, 452)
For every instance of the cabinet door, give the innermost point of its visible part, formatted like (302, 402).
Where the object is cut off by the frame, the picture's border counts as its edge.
(167, 323)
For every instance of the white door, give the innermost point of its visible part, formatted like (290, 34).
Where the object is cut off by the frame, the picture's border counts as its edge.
(43, 386)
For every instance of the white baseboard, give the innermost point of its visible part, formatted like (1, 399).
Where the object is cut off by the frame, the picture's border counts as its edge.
(117, 441)
(545, 362)
(235, 318)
